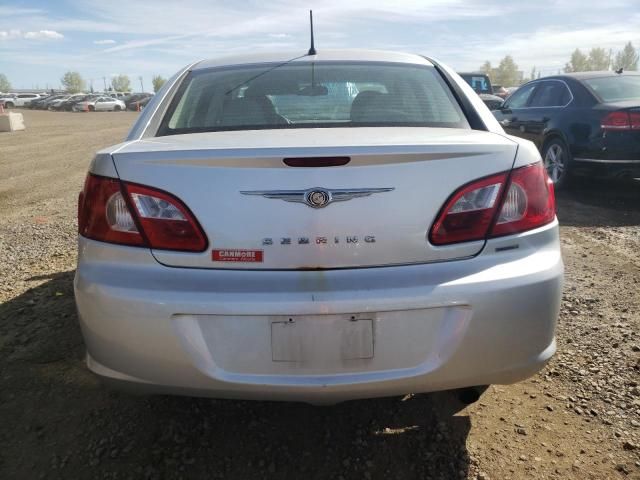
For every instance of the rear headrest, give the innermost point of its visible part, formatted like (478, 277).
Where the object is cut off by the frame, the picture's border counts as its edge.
(367, 106)
(256, 110)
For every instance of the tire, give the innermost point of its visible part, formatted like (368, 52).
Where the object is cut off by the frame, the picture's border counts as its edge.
(557, 161)
(91, 108)
(9, 105)
(116, 108)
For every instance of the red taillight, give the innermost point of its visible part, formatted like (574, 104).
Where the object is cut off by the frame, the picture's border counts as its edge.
(529, 203)
(469, 212)
(98, 194)
(130, 214)
(484, 208)
(621, 120)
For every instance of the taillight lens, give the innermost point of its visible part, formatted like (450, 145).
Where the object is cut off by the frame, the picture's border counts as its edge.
(130, 214)
(165, 220)
(469, 212)
(103, 215)
(481, 209)
(529, 203)
(621, 120)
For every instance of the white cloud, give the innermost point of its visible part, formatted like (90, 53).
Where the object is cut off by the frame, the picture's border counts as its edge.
(279, 35)
(107, 41)
(44, 34)
(39, 35)
(15, 11)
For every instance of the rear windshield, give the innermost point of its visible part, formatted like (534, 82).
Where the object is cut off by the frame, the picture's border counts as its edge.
(479, 82)
(615, 89)
(304, 95)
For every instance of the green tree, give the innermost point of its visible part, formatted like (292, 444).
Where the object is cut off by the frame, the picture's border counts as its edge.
(5, 86)
(507, 73)
(626, 59)
(157, 81)
(121, 83)
(486, 68)
(73, 82)
(599, 59)
(578, 63)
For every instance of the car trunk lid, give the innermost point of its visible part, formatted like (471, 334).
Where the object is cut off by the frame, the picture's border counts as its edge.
(408, 174)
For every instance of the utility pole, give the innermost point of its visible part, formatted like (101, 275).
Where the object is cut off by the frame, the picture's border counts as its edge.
(104, 79)
(141, 85)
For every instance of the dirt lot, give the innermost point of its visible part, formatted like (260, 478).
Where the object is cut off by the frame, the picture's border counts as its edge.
(578, 419)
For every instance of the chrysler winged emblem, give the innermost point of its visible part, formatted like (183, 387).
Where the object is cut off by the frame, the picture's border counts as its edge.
(317, 197)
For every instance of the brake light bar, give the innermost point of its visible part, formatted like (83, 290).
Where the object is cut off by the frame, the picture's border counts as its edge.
(136, 215)
(498, 205)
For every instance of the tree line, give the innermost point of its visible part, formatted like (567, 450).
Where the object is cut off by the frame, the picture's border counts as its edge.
(73, 82)
(508, 74)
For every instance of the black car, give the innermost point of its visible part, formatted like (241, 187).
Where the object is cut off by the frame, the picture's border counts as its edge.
(133, 102)
(35, 104)
(582, 123)
(67, 105)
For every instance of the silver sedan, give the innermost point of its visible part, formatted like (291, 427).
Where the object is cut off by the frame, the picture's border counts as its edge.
(100, 104)
(345, 225)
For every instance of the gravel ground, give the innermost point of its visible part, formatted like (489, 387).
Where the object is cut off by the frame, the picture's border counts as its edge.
(578, 419)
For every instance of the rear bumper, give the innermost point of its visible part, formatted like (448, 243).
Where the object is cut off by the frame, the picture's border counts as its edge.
(606, 167)
(489, 319)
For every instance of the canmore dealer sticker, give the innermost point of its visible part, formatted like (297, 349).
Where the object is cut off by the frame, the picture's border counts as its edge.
(236, 255)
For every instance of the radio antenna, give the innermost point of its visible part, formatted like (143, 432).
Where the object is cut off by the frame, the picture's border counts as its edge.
(312, 50)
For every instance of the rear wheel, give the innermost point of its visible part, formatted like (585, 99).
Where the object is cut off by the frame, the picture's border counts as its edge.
(8, 105)
(556, 157)
(92, 108)
(116, 108)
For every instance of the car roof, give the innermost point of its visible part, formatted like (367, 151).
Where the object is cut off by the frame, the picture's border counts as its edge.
(360, 55)
(590, 75)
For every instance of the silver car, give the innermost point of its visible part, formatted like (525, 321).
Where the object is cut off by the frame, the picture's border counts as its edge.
(345, 225)
(100, 104)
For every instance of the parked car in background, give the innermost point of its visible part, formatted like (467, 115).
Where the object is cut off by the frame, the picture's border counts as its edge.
(243, 245)
(67, 105)
(99, 104)
(582, 123)
(500, 91)
(492, 102)
(51, 100)
(133, 101)
(53, 104)
(42, 103)
(118, 95)
(61, 103)
(481, 84)
(18, 99)
(8, 97)
(144, 102)
(32, 104)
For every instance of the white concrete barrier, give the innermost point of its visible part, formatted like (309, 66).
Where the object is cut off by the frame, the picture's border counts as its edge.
(10, 122)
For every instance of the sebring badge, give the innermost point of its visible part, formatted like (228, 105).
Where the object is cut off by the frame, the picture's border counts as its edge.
(317, 197)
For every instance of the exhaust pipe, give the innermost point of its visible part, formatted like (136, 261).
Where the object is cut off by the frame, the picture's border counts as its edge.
(471, 395)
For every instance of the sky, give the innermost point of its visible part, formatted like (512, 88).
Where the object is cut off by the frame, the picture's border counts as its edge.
(42, 39)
